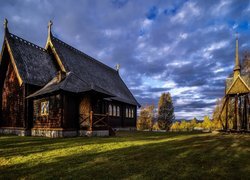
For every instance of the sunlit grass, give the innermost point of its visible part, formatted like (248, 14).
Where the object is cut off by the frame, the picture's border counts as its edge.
(133, 155)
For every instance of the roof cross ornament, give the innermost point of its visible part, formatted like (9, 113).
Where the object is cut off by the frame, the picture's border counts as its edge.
(5, 23)
(49, 25)
(117, 67)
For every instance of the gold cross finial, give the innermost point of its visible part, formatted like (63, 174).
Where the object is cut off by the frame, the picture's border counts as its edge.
(50, 24)
(117, 67)
(5, 23)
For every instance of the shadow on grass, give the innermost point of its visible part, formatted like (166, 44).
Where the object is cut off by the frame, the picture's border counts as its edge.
(184, 156)
(29, 145)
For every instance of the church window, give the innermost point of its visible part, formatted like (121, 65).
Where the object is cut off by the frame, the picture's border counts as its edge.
(45, 108)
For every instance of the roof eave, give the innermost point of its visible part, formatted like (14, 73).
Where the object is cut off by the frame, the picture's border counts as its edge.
(20, 80)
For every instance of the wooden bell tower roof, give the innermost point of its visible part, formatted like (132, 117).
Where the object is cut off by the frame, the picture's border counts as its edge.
(237, 62)
(239, 83)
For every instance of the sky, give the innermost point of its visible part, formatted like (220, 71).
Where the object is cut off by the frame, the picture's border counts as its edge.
(186, 47)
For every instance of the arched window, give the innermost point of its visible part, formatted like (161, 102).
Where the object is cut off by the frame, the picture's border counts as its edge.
(114, 110)
(132, 113)
(118, 111)
(110, 110)
(129, 113)
(126, 112)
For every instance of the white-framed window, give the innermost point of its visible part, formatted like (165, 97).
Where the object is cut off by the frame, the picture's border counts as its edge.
(118, 111)
(110, 110)
(129, 112)
(114, 110)
(45, 108)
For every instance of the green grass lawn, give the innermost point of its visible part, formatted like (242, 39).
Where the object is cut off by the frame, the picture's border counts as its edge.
(129, 155)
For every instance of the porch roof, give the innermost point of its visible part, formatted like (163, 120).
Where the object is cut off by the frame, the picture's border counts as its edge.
(71, 83)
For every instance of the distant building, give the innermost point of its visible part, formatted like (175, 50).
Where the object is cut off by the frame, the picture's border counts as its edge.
(60, 91)
(237, 91)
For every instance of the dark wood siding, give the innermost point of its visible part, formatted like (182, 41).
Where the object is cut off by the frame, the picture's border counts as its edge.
(12, 105)
(85, 105)
(121, 120)
(64, 110)
(54, 118)
(129, 121)
(71, 113)
(29, 89)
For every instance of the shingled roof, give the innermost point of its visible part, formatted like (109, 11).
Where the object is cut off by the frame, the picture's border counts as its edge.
(34, 64)
(244, 73)
(93, 71)
(71, 83)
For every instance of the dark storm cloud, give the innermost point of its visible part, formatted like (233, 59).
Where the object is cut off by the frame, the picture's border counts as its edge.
(184, 47)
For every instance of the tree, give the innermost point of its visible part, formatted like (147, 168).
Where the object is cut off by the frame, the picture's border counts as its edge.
(193, 123)
(184, 125)
(165, 111)
(207, 124)
(216, 113)
(217, 122)
(145, 120)
(175, 126)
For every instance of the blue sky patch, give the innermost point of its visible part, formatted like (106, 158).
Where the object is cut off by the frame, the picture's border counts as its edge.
(152, 13)
(243, 26)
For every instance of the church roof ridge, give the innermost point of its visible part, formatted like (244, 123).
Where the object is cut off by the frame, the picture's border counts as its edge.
(26, 42)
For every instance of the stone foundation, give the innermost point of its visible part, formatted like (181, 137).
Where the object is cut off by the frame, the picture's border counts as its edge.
(93, 133)
(53, 133)
(125, 129)
(15, 131)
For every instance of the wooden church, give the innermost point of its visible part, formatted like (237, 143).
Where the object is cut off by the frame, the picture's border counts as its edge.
(237, 99)
(59, 91)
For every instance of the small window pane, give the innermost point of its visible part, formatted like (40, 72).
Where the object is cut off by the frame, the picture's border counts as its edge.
(114, 110)
(118, 111)
(126, 112)
(110, 110)
(132, 113)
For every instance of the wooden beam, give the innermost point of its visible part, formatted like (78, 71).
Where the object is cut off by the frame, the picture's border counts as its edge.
(244, 122)
(227, 102)
(56, 55)
(223, 106)
(236, 114)
(248, 113)
(91, 121)
(239, 113)
(14, 64)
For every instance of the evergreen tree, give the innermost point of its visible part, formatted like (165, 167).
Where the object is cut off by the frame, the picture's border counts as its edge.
(165, 111)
